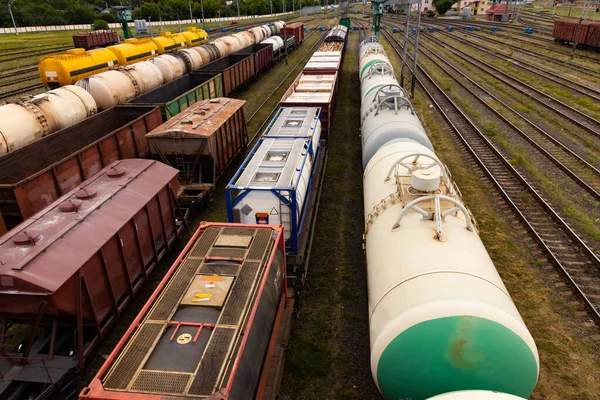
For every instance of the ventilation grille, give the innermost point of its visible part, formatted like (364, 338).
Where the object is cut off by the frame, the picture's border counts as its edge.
(239, 231)
(233, 253)
(213, 362)
(220, 269)
(161, 382)
(129, 362)
(260, 244)
(170, 297)
(235, 306)
(205, 242)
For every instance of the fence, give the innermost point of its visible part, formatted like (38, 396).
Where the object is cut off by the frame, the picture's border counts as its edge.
(83, 27)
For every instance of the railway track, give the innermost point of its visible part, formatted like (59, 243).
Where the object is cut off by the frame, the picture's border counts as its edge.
(574, 166)
(557, 107)
(528, 67)
(567, 251)
(6, 73)
(22, 90)
(26, 54)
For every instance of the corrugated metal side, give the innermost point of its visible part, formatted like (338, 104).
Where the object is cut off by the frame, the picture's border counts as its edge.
(38, 174)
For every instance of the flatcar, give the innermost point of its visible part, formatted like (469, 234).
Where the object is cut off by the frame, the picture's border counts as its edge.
(213, 326)
(440, 317)
(69, 271)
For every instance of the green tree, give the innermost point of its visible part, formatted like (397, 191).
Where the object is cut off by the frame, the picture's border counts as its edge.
(443, 5)
(149, 10)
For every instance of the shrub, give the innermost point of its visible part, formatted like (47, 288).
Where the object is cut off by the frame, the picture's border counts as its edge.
(99, 24)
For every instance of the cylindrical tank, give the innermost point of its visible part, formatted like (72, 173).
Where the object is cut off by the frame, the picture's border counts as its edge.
(370, 58)
(222, 48)
(116, 87)
(134, 50)
(171, 67)
(190, 58)
(475, 395)
(259, 34)
(376, 76)
(276, 44)
(168, 42)
(66, 69)
(440, 317)
(228, 43)
(206, 53)
(32, 118)
(194, 36)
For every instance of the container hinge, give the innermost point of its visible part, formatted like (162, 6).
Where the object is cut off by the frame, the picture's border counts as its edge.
(437, 214)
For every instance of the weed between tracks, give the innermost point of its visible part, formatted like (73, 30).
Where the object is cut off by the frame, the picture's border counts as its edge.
(569, 365)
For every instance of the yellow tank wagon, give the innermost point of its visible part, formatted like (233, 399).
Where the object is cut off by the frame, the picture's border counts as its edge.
(195, 37)
(168, 42)
(66, 69)
(134, 50)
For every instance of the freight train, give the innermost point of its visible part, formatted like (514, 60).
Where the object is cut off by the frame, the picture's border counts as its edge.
(116, 220)
(29, 119)
(440, 317)
(588, 34)
(76, 64)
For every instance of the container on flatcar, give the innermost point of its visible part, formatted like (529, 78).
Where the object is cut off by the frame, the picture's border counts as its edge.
(201, 142)
(66, 69)
(90, 40)
(324, 62)
(70, 270)
(174, 97)
(213, 327)
(296, 30)
(34, 176)
(134, 50)
(262, 53)
(277, 182)
(314, 90)
(237, 70)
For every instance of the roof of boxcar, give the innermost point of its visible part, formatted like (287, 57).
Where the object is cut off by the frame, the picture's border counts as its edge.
(202, 119)
(48, 248)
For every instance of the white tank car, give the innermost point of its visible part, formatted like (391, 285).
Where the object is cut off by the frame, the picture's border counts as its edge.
(171, 67)
(475, 395)
(440, 317)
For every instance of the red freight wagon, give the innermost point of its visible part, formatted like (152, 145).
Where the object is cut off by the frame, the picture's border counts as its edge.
(201, 142)
(296, 30)
(314, 90)
(589, 32)
(214, 327)
(34, 176)
(262, 53)
(236, 69)
(90, 40)
(70, 270)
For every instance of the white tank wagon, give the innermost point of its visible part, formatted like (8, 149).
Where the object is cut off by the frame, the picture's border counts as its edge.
(274, 182)
(170, 66)
(440, 317)
(293, 122)
(120, 85)
(475, 395)
(32, 118)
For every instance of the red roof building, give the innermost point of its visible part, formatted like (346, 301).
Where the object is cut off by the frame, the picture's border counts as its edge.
(495, 12)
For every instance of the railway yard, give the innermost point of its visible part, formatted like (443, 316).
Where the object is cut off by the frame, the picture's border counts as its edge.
(162, 179)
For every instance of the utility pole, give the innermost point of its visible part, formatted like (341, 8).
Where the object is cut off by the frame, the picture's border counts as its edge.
(191, 15)
(150, 25)
(414, 71)
(271, 7)
(576, 36)
(10, 2)
(219, 11)
(404, 50)
(238, 7)
(202, 14)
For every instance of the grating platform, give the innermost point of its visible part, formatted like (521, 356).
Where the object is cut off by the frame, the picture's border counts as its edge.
(186, 342)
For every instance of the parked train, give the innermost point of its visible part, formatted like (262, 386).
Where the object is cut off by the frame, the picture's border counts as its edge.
(76, 64)
(240, 307)
(440, 317)
(29, 119)
(565, 30)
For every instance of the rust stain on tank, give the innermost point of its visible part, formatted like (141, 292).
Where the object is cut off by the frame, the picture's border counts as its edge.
(463, 354)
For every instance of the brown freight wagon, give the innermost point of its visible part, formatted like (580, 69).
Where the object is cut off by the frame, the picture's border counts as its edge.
(201, 142)
(69, 271)
(90, 40)
(296, 30)
(237, 70)
(36, 175)
(565, 29)
(262, 53)
(314, 90)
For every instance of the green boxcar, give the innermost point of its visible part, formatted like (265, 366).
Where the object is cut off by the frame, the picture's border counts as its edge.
(176, 96)
(345, 22)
